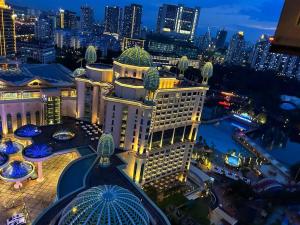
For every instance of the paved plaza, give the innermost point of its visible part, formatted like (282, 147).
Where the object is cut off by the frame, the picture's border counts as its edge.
(37, 196)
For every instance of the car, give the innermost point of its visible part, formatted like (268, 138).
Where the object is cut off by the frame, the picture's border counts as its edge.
(16, 219)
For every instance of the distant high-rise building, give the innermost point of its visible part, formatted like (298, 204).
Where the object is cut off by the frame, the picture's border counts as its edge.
(44, 28)
(113, 19)
(178, 19)
(262, 59)
(204, 42)
(67, 19)
(132, 21)
(236, 51)
(86, 18)
(221, 38)
(7, 31)
(259, 53)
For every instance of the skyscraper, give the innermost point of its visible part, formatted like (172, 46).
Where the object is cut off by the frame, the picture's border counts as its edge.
(44, 28)
(236, 51)
(86, 18)
(262, 59)
(67, 19)
(132, 20)
(113, 19)
(221, 38)
(178, 19)
(259, 53)
(7, 31)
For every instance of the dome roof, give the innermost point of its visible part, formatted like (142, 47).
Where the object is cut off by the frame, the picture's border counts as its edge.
(151, 79)
(106, 145)
(17, 170)
(105, 205)
(135, 56)
(9, 147)
(27, 131)
(37, 151)
(79, 71)
(207, 70)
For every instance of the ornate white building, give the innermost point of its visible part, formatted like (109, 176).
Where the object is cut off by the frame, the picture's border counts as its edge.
(155, 128)
(36, 94)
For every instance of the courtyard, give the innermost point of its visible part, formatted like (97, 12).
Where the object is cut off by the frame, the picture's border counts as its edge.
(36, 196)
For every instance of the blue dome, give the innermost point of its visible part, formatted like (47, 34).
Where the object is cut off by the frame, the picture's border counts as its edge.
(9, 147)
(37, 151)
(4, 158)
(105, 205)
(17, 170)
(28, 131)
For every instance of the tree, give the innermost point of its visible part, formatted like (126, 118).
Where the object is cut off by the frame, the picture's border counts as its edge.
(90, 55)
(151, 81)
(183, 64)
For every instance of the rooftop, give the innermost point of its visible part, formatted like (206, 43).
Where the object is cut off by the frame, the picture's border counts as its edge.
(131, 81)
(135, 56)
(100, 66)
(52, 74)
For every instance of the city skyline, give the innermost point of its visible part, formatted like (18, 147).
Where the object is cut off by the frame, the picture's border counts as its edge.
(254, 20)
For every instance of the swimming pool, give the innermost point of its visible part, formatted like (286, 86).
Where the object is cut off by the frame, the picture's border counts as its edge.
(219, 134)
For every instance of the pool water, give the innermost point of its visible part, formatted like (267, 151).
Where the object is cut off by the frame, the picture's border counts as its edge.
(288, 154)
(220, 134)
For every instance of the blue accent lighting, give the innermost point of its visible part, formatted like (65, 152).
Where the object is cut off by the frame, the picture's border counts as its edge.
(38, 151)
(9, 147)
(28, 131)
(17, 170)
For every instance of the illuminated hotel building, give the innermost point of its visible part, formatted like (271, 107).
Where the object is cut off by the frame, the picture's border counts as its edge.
(7, 31)
(91, 85)
(35, 94)
(157, 135)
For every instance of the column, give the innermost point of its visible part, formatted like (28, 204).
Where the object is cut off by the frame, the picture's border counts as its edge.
(182, 139)
(172, 141)
(95, 104)
(40, 172)
(80, 98)
(162, 138)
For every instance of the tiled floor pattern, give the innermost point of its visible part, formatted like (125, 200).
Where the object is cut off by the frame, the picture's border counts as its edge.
(37, 196)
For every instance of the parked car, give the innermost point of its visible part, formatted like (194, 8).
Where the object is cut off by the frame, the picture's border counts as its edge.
(17, 219)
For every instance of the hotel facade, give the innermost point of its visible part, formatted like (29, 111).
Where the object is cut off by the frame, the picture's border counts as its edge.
(157, 134)
(35, 94)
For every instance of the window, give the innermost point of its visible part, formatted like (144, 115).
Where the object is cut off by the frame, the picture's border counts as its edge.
(19, 120)
(38, 118)
(9, 123)
(28, 118)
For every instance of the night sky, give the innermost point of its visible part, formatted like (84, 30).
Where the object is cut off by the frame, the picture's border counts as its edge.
(254, 17)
